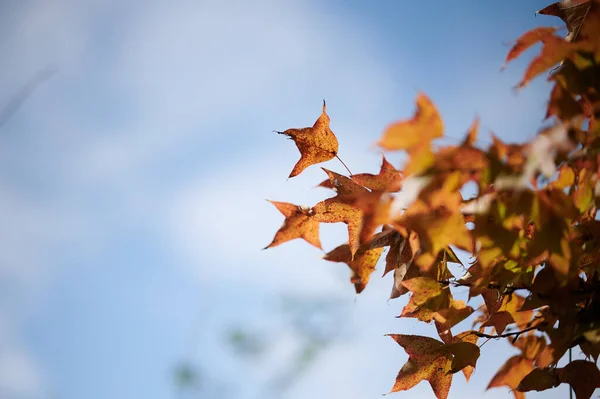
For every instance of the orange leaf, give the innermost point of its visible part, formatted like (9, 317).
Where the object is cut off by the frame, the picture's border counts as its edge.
(418, 131)
(362, 264)
(316, 144)
(511, 374)
(389, 178)
(553, 52)
(345, 187)
(333, 211)
(299, 223)
(471, 138)
(427, 361)
(527, 40)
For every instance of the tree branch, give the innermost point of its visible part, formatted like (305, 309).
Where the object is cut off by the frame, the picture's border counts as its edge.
(506, 335)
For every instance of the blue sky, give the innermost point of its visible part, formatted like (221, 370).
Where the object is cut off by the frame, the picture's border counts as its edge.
(133, 182)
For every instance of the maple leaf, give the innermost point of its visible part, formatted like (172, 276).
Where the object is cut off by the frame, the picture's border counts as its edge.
(316, 144)
(464, 354)
(299, 223)
(389, 178)
(362, 264)
(511, 374)
(333, 211)
(345, 187)
(471, 138)
(510, 312)
(415, 135)
(467, 336)
(447, 318)
(572, 12)
(527, 40)
(340, 209)
(583, 376)
(539, 380)
(427, 360)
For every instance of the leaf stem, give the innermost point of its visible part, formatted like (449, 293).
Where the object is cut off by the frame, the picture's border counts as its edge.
(340, 159)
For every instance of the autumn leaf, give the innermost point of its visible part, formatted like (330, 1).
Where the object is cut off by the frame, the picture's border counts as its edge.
(428, 297)
(427, 361)
(471, 138)
(316, 144)
(467, 336)
(362, 264)
(527, 40)
(389, 178)
(415, 135)
(447, 318)
(554, 51)
(345, 187)
(299, 223)
(572, 12)
(464, 354)
(333, 211)
(423, 289)
(583, 376)
(539, 380)
(511, 374)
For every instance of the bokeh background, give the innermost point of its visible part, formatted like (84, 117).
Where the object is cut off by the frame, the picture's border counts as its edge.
(136, 154)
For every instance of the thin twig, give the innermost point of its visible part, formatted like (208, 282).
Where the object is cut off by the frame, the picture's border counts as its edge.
(505, 335)
(15, 103)
(570, 387)
(340, 159)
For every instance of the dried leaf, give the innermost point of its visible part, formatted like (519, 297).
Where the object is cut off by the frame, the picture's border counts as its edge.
(465, 354)
(299, 223)
(333, 211)
(416, 132)
(539, 380)
(583, 376)
(572, 12)
(427, 361)
(316, 144)
(511, 374)
(389, 178)
(362, 264)
(527, 40)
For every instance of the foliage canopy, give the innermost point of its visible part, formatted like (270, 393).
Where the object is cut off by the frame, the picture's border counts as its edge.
(531, 227)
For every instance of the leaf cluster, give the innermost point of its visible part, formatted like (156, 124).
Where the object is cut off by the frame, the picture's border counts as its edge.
(531, 228)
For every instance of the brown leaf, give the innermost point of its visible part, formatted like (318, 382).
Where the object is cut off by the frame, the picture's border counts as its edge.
(427, 361)
(572, 12)
(345, 187)
(467, 336)
(531, 346)
(511, 374)
(316, 144)
(362, 264)
(539, 380)
(299, 223)
(583, 376)
(389, 178)
(464, 354)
